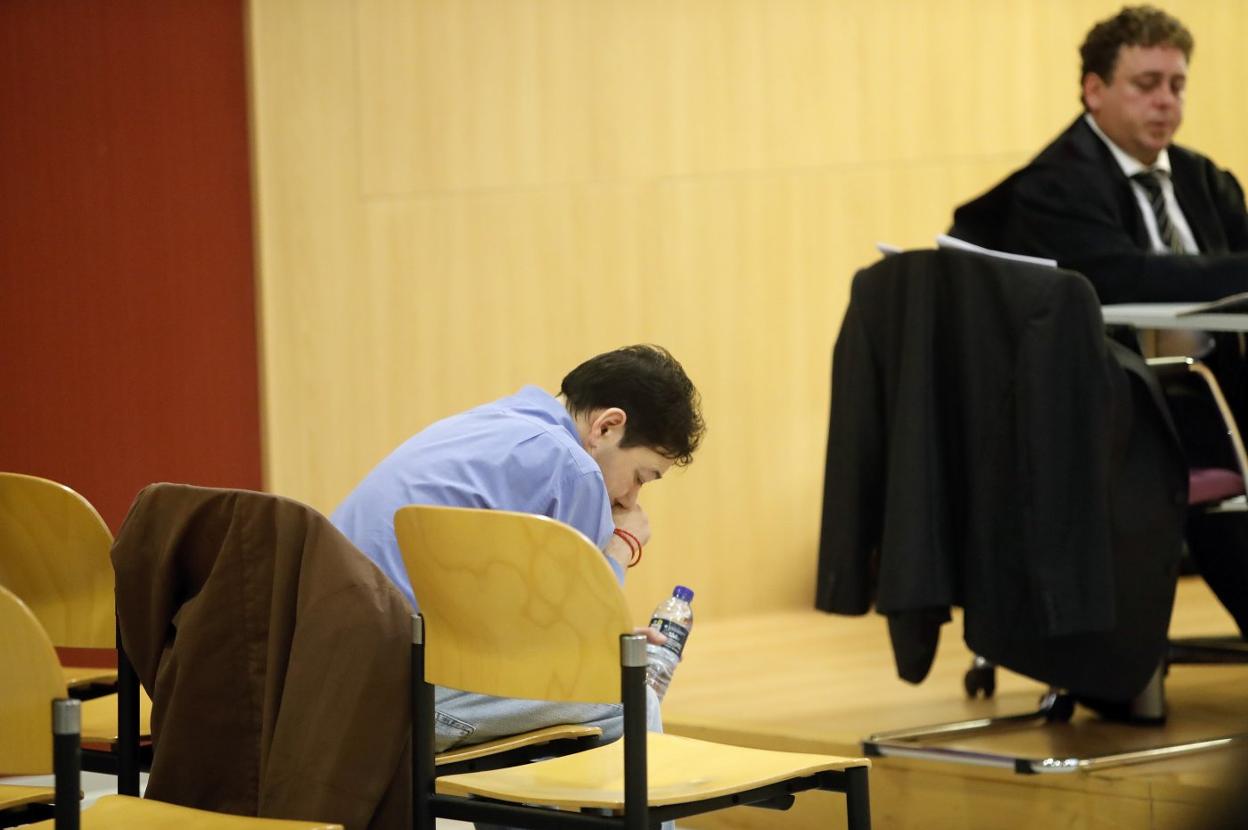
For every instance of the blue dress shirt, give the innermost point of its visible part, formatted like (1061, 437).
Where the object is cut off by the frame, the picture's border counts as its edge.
(520, 453)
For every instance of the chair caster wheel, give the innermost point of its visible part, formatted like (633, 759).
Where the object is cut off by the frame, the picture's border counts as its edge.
(980, 680)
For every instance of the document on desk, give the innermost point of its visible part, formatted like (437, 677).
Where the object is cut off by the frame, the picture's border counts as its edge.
(1175, 316)
(947, 241)
(1159, 311)
(1231, 304)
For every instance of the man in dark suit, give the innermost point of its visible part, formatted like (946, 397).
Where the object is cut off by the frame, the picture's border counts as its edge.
(1112, 197)
(1145, 220)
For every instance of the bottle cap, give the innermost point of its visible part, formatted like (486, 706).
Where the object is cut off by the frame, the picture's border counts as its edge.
(681, 592)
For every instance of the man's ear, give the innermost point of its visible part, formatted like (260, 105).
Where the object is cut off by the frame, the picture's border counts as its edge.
(1093, 91)
(607, 426)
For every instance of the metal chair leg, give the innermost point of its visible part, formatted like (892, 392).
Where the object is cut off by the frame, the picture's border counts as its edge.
(67, 762)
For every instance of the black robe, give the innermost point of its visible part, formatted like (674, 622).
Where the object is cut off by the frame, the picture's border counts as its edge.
(1073, 203)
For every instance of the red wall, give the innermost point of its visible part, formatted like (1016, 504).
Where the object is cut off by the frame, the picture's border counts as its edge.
(127, 311)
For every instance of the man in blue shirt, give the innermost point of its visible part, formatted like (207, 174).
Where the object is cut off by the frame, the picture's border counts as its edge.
(621, 420)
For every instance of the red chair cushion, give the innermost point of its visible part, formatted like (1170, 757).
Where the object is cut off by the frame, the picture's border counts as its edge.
(1210, 484)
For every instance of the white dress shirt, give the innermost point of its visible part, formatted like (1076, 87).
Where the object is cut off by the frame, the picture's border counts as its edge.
(1130, 167)
(1159, 343)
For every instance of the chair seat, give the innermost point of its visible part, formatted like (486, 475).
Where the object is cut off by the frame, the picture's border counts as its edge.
(679, 771)
(122, 811)
(564, 732)
(99, 718)
(19, 795)
(1211, 484)
(76, 676)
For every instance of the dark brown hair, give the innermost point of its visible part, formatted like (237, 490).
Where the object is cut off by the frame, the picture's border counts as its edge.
(645, 381)
(1133, 26)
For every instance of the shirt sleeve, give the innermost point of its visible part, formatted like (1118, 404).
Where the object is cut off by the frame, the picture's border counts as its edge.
(581, 501)
(544, 476)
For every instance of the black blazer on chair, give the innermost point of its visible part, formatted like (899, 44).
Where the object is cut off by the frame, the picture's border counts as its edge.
(1072, 203)
(986, 449)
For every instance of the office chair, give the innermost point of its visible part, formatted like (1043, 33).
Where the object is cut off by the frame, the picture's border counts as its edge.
(277, 655)
(1215, 494)
(54, 556)
(1212, 492)
(990, 448)
(522, 606)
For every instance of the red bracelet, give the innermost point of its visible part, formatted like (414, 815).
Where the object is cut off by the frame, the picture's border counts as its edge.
(634, 545)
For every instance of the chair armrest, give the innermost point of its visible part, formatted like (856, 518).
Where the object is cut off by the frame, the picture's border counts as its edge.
(1169, 368)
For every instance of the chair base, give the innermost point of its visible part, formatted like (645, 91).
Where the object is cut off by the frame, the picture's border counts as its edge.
(1054, 707)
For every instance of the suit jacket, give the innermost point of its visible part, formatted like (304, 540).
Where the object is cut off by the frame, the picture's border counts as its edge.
(987, 449)
(276, 655)
(1072, 203)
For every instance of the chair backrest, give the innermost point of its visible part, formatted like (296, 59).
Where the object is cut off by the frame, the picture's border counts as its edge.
(54, 555)
(30, 678)
(513, 604)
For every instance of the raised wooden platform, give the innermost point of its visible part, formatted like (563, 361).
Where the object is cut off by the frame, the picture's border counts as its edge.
(812, 682)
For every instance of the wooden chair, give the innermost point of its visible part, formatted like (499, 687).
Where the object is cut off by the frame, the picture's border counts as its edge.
(30, 683)
(523, 606)
(40, 733)
(54, 555)
(206, 579)
(517, 749)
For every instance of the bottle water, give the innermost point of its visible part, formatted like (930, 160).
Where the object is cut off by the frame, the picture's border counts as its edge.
(674, 618)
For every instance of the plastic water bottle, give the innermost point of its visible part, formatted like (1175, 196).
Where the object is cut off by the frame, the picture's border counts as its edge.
(674, 618)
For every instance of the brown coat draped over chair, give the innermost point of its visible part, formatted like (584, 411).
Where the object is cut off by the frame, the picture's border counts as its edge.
(276, 656)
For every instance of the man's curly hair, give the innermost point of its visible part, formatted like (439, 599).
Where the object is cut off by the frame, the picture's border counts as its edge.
(1133, 26)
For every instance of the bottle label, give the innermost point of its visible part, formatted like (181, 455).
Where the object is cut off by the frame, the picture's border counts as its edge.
(676, 634)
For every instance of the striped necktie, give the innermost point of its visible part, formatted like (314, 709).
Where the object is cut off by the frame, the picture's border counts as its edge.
(1150, 180)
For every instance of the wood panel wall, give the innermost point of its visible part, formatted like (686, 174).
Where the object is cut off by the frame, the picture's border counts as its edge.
(457, 197)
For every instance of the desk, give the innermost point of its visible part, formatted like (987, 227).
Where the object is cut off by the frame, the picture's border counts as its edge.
(1162, 316)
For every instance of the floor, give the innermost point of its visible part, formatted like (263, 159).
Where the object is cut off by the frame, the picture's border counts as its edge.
(815, 682)
(819, 683)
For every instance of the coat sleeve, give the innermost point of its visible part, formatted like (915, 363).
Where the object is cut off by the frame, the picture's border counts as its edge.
(1064, 415)
(1228, 200)
(853, 478)
(1057, 212)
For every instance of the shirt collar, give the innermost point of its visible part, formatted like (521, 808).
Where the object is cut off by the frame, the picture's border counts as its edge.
(1130, 164)
(546, 406)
